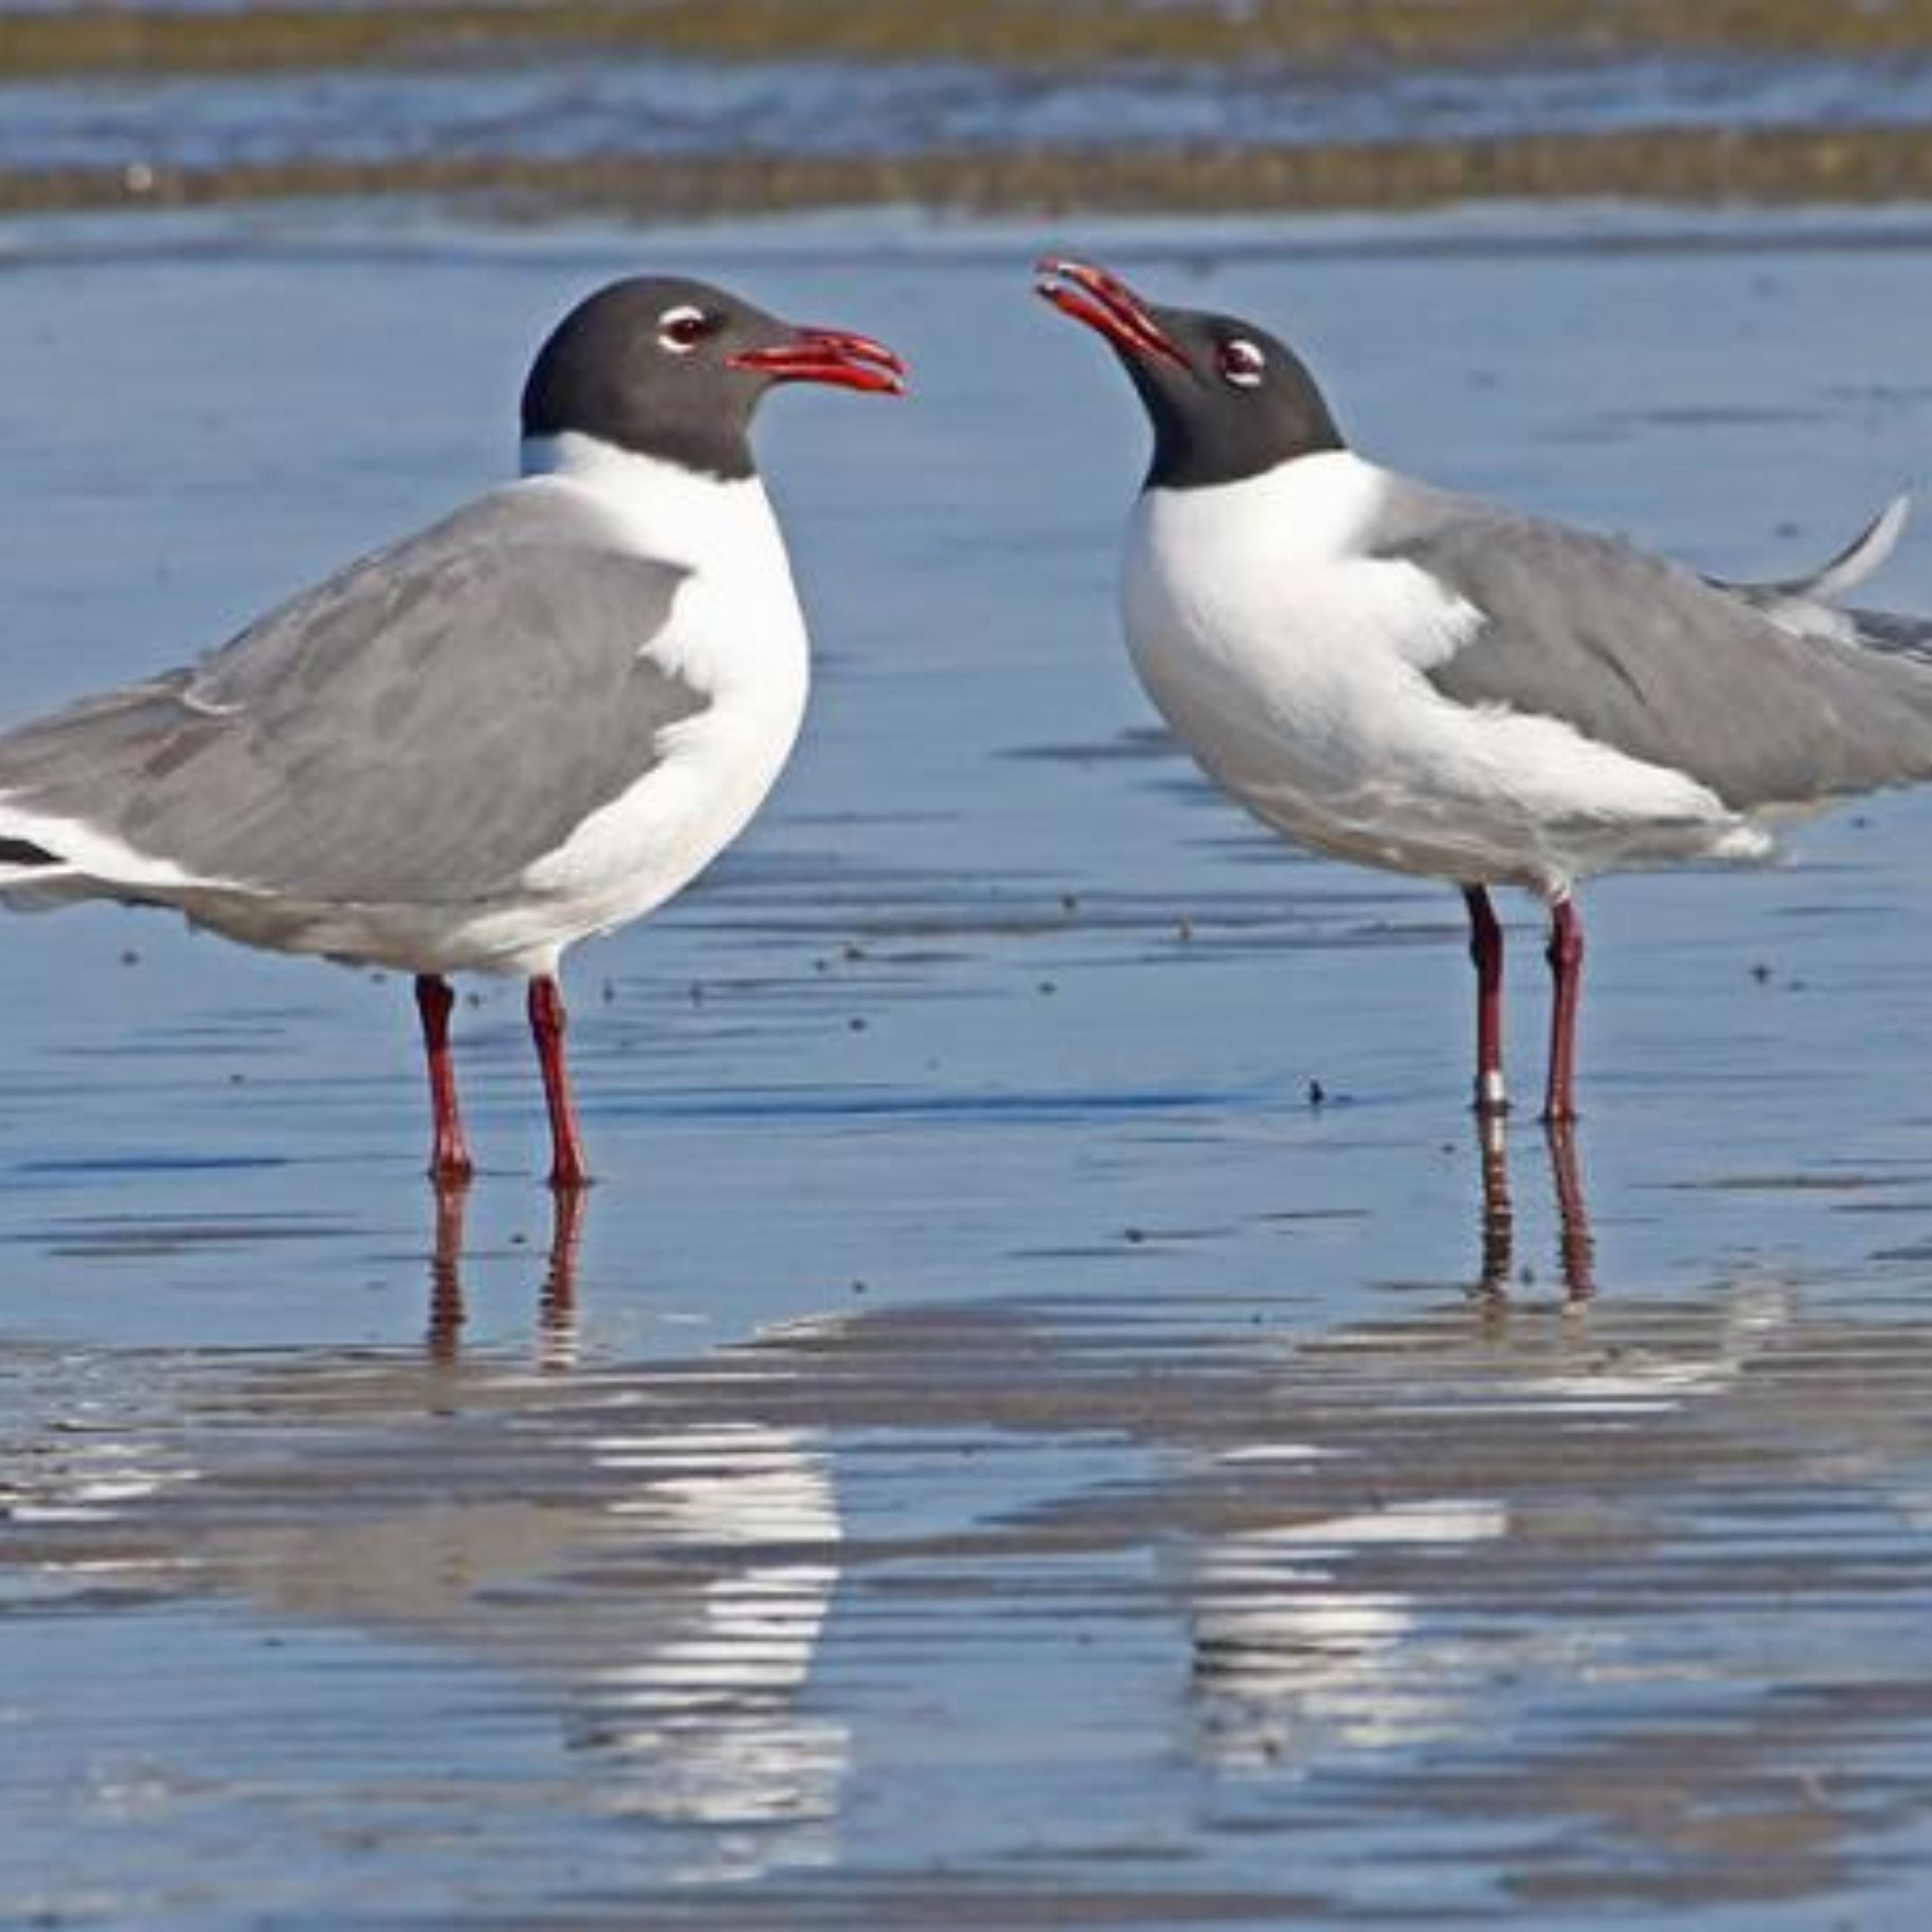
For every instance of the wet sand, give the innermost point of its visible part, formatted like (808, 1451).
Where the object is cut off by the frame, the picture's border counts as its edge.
(991, 1452)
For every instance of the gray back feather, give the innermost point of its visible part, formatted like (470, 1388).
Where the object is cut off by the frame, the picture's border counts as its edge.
(1662, 665)
(421, 727)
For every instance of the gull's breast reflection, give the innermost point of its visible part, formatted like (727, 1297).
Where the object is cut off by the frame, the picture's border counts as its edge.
(1375, 1576)
(743, 1525)
(1293, 1653)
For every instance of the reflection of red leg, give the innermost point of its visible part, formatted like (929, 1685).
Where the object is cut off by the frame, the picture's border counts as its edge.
(1498, 1215)
(546, 1018)
(1575, 1243)
(1565, 956)
(1485, 950)
(449, 1157)
(559, 1278)
(446, 1271)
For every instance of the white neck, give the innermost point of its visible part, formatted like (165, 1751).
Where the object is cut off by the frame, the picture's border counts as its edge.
(1311, 508)
(658, 508)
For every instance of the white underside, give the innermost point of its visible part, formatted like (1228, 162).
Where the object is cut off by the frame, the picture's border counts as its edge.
(1291, 664)
(735, 633)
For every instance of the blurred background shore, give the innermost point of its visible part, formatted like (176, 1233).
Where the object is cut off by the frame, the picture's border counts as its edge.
(683, 108)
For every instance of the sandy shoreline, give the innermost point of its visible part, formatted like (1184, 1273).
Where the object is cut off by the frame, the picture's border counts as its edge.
(1677, 164)
(1021, 33)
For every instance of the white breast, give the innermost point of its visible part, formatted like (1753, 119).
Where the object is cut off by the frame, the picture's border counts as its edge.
(736, 634)
(1290, 658)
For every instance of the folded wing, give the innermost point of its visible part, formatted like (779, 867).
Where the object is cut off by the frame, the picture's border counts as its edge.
(1768, 706)
(420, 728)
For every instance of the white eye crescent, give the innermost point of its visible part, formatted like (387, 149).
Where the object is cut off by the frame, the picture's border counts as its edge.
(1243, 363)
(683, 328)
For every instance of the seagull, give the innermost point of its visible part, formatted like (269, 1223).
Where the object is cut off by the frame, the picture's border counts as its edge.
(521, 727)
(1401, 677)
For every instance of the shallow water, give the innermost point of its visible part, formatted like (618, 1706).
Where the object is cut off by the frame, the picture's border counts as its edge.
(554, 106)
(992, 1452)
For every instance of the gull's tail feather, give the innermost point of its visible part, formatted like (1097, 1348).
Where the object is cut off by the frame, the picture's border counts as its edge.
(1852, 565)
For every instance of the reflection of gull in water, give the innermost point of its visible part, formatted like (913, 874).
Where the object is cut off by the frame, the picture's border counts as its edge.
(671, 1599)
(71, 1454)
(668, 1594)
(1312, 1633)
(665, 1588)
(1287, 1658)
(1636, 1383)
(1474, 1565)
(92, 1482)
(707, 1707)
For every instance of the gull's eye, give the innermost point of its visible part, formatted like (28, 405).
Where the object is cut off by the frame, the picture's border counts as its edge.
(1243, 363)
(683, 328)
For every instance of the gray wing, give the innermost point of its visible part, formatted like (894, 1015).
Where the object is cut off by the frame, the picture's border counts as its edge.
(421, 727)
(1664, 666)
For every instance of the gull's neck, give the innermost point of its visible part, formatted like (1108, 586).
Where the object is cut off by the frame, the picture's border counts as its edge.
(1322, 506)
(657, 506)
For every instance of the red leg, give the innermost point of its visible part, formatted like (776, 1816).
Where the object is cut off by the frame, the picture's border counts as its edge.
(1565, 956)
(450, 1165)
(1485, 950)
(567, 1168)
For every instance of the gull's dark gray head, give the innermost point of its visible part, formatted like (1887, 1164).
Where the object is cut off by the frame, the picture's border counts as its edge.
(671, 367)
(1227, 399)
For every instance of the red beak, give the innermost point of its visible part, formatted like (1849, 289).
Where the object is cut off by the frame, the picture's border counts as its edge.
(829, 356)
(1104, 302)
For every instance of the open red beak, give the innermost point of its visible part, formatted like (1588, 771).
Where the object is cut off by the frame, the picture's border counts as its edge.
(829, 356)
(1104, 302)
